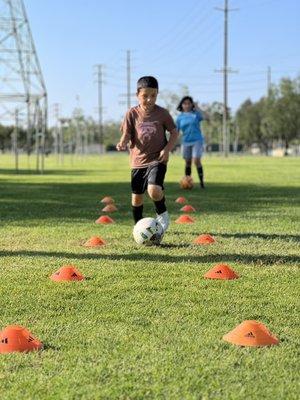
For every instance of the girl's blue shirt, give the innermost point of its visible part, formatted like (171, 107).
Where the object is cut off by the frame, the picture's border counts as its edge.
(189, 124)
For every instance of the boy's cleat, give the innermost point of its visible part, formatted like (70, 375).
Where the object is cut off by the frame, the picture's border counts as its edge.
(157, 238)
(164, 220)
(202, 185)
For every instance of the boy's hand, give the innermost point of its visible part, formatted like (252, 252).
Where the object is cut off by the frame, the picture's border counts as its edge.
(122, 145)
(164, 156)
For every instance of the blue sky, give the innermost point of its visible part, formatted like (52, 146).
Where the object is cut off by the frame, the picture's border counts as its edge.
(179, 42)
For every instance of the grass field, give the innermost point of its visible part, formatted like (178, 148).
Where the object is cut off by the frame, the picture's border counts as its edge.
(146, 325)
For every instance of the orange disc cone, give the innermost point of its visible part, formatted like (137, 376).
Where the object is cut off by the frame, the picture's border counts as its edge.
(67, 273)
(104, 219)
(251, 333)
(221, 271)
(181, 200)
(107, 200)
(188, 209)
(184, 219)
(16, 338)
(109, 208)
(94, 241)
(204, 239)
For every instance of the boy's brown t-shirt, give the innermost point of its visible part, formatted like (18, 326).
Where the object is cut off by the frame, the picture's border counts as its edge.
(147, 134)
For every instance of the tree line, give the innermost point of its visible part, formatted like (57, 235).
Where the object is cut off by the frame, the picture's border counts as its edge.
(273, 119)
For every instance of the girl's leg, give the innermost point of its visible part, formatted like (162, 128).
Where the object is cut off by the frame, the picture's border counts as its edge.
(188, 167)
(198, 165)
(137, 206)
(186, 152)
(197, 154)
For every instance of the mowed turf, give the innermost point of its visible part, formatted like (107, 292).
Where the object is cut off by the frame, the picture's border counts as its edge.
(145, 324)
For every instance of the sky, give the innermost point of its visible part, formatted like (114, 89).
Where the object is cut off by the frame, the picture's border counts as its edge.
(179, 42)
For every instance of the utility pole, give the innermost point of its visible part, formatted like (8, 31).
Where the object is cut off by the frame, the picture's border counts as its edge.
(61, 144)
(22, 82)
(236, 139)
(56, 112)
(225, 80)
(99, 73)
(15, 140)
(225, 70)
(78, 136)
(128, 95)
(269, 80)
(64, 123)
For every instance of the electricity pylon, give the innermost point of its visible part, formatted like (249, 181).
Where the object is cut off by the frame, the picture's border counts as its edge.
(22, 85)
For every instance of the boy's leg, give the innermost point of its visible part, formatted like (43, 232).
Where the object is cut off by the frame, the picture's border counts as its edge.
(197, 153)
(156, 192)
(137, 206)
(138, 186)
(157, 195)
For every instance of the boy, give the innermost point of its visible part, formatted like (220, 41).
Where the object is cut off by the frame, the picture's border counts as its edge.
(144, 126)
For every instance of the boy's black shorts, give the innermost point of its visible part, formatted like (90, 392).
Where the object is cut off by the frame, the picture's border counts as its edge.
(153, 175)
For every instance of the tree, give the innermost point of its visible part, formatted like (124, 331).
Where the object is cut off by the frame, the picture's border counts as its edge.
(249, 118)
(283, 111)
(6, 137)
(272, 118)
(212, 126)
(171, 99)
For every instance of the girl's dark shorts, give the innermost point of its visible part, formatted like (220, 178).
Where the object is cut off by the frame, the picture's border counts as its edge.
(152, 175)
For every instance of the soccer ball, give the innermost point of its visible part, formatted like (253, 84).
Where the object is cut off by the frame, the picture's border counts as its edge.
(148, 231)
(187, 182)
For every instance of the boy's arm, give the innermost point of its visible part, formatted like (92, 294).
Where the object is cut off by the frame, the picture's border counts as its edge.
(126, 129)
(123, 143)
(164, 154)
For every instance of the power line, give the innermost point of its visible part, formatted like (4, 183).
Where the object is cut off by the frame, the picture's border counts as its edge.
(183, 38)
(260, 4)
(244, 90)
(182, 21)
(195, 58)
(192, 47)
(186, 41)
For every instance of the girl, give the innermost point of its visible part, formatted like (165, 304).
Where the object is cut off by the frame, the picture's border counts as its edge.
(188, 122)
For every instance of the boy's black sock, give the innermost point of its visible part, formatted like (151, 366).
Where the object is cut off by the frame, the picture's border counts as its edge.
(188, 171)
(160, 206)
(137, 212)
(201, 177)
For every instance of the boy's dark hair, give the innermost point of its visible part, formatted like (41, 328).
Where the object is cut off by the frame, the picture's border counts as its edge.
(179, 108)
(147, 82)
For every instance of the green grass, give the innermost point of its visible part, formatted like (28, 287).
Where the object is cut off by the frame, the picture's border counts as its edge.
(146, 325)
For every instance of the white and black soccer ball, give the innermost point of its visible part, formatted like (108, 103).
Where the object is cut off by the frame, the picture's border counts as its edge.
(148, 231)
